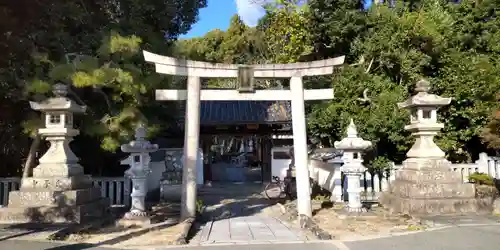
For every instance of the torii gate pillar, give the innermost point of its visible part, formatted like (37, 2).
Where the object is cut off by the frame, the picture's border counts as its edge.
(195, 70)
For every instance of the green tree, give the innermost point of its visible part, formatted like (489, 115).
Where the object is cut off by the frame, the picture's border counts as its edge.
(450, 44)
(61, 28)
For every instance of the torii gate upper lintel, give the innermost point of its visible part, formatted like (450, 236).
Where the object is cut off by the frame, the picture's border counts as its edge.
(195, 70)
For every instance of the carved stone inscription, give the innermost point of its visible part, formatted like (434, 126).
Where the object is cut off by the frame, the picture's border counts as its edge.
(53, 183)
(36, 197)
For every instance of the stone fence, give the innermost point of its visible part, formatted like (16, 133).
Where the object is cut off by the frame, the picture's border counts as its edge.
(116, 189)
(374, 183)
(330, 176)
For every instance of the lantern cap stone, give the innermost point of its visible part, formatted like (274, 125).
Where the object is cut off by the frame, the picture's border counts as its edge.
(140, 144)
(352, 142)
(60, 102)
(423, 98)
(140, 133)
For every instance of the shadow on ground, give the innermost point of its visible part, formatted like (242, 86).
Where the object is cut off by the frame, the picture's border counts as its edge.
(233, 200)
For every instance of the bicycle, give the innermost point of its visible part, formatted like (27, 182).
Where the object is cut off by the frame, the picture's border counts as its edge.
(279, 189)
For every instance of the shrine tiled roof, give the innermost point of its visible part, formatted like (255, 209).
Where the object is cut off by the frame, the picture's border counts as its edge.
(243, 112)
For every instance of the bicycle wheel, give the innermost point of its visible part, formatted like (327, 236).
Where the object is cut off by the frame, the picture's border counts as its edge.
(273, 190)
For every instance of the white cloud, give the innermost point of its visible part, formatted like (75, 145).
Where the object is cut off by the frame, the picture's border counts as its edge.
(250, 11)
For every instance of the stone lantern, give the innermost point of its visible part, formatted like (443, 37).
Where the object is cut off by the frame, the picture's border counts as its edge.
(58, 115)
(353, 146)
(425, 185)
(423, 121)
(138, 161)
(58, 192)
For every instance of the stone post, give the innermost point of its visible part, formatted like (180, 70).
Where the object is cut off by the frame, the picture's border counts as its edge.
(138, 172)
(353, 168)
(300, 148)
(483, 164)
(191, 141)
(337, 190)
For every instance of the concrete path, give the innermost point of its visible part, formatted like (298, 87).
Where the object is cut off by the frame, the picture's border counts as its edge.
(247, 229)
(236, 214)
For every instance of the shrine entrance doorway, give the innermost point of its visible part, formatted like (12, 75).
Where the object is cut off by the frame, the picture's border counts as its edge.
(237, 146)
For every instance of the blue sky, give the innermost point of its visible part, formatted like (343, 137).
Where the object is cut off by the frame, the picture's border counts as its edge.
(219, 12)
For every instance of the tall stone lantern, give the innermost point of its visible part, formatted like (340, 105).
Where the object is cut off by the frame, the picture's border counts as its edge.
(58, 192)
(423, 121)
(353, 147)
(138, 172)
(425, 185)
(58, 115)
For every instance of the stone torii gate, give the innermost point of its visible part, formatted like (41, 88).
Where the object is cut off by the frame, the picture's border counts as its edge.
(195, 70)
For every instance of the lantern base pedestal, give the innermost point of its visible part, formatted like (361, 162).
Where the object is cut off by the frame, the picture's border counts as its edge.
(55, 199)
(132, 218)
(426, 186)
(56, 214)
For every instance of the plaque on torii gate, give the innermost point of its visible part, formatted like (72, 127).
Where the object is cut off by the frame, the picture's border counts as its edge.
(245, 79)
(195, 70)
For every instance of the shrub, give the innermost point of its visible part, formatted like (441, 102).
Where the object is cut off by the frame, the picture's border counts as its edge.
(481, 179)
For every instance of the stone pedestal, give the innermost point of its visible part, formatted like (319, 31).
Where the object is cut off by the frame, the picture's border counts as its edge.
(58, 192)
(426, 185)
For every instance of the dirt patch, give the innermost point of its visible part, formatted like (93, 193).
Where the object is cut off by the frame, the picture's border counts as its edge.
(341, 225)
(376, 221)
(162, 217)
(166, 236)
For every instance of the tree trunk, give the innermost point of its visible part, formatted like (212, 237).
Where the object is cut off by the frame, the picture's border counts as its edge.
(30, 161)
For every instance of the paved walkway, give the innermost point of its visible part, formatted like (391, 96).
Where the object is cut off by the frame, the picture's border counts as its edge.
(236, 214)
(246, 229)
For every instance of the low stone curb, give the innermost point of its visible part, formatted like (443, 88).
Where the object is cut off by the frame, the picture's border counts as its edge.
(306, 223)
(309, 224)
(186, 225)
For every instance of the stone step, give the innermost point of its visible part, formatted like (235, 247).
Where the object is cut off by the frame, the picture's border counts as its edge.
(424, 175)
(97, 209)
(429, 190)
(44, 197)
(436, 206)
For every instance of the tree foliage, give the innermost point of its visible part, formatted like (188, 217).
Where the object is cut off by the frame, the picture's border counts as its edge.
(388, 48)
(39, 44)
